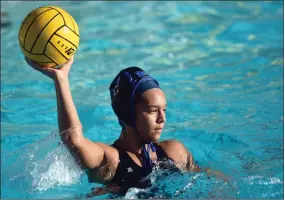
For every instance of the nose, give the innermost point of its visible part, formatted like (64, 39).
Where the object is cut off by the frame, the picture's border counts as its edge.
(161, 116)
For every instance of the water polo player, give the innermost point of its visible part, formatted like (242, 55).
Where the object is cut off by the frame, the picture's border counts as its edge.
(140, 105)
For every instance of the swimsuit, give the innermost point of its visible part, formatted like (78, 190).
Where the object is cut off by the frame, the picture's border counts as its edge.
(129, 174)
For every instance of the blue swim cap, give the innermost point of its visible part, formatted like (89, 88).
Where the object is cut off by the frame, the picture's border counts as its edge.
(125, 89)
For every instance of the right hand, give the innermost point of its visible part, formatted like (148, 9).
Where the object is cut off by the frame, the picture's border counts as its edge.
(53, 73)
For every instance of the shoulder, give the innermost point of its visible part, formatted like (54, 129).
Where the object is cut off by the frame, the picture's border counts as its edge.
(168, 145)
(174, 149)
(109, 149)
(111, 154)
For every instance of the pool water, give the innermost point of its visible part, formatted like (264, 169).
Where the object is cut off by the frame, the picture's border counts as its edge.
(220, 65)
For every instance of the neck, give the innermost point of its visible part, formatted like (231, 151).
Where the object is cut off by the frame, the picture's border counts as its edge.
(129, 140)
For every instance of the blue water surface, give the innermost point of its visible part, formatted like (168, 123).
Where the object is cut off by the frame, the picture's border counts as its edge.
(219, 63)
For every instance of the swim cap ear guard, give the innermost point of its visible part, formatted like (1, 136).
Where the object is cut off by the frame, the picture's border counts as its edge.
(124, 89)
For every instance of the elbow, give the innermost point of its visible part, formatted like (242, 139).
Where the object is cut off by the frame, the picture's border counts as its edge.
(72, 137)
(75, 140)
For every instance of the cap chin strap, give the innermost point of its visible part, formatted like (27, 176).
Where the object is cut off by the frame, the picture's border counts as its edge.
(146, 161)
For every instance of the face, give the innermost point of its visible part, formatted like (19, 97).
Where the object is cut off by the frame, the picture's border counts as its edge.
(150, 114)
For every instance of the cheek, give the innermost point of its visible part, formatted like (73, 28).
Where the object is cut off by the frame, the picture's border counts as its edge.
(145, 122)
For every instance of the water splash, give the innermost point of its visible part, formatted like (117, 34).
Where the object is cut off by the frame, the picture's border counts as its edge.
(38, 165)
(58, 168)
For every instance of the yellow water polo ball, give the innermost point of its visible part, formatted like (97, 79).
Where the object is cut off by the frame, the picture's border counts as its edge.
(49, 36)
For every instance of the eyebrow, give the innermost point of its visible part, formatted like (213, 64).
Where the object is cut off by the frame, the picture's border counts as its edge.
(156, 106)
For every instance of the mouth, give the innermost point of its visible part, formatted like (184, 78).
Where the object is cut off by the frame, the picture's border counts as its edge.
(158, 129)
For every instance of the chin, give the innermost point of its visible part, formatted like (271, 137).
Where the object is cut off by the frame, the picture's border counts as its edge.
(156, 137)
(152, 139)
(152, 136)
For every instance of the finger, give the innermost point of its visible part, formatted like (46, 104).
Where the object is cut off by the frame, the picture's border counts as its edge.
(45, 70)
(67, 65)
(33, 64)
(48, 72)
(29, 61)
(70, 61)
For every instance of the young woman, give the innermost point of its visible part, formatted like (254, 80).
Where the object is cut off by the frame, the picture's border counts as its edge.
(140, 106)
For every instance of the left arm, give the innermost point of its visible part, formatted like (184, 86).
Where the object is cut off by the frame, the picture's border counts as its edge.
(184, 160)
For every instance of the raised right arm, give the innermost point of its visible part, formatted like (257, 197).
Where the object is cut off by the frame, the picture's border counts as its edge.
(88, 154)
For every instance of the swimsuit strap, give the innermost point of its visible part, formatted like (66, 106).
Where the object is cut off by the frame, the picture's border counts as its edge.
(147, 163)
(146, 160)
